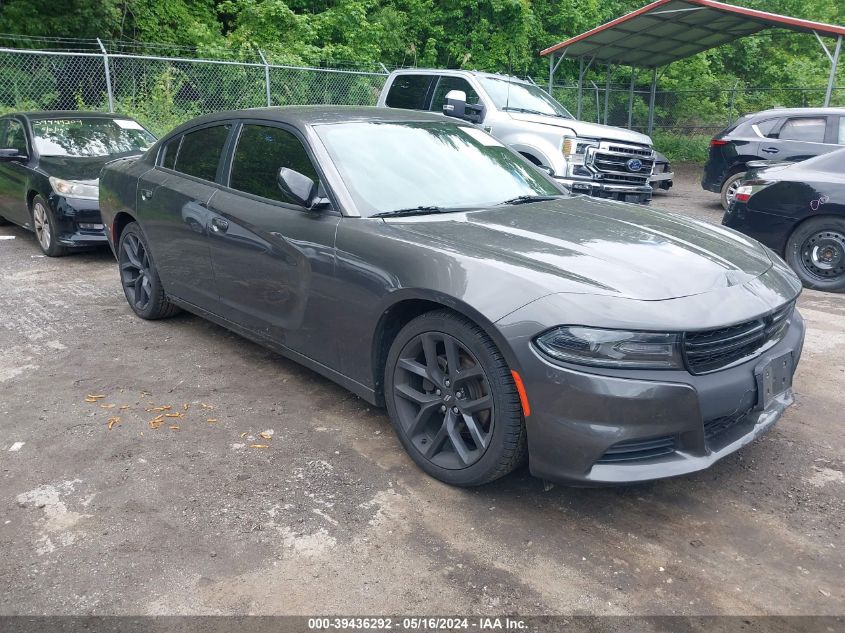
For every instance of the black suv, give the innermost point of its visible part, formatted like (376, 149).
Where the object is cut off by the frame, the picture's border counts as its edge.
(780, 134)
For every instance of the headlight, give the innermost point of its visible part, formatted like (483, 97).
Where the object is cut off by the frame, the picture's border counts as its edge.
(612, 348)
(575, 149)
(74, 189)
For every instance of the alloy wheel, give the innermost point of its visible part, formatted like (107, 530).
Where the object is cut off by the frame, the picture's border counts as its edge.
(135, 271)
(42, 225)
(732, 188)
(443, 400)
(823, 254)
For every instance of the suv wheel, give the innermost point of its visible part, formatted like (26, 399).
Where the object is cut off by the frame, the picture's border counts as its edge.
(453, 402)
(729, 188)
(816, 252)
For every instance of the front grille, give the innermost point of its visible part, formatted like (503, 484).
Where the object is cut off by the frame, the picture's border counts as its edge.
(711, 350)
(638, 450)
(609, 163)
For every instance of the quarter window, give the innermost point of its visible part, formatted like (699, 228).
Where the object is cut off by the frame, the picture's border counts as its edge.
(200, 152)
(451, 83)
(803, 129)
(168, 153)
(409, 92)
(261, 152)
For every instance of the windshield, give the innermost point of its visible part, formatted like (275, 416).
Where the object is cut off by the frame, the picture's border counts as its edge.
(391, 166)
(515, 96)
(89, 136)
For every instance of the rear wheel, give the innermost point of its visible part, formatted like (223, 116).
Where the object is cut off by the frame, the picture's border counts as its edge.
(46, 228)
(729, 188)
(138, 275)
(816, 252)
(453, 402)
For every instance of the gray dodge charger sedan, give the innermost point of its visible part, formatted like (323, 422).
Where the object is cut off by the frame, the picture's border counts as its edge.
(426, 267)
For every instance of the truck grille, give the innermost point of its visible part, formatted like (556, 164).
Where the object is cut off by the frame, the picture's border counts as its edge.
(609, 163)
(711, 350)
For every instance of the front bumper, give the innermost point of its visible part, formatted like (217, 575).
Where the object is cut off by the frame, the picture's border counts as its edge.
(623, 193)
(580, 420)
(78, 221)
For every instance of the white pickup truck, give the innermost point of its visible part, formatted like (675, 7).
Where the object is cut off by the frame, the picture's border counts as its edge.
(598, 160)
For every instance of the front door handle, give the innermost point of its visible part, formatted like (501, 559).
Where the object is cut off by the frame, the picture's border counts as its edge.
(219, 225)
(771, 150)
(146, 194)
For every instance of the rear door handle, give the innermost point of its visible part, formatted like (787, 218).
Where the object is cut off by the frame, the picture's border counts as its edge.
(219, 225)
(146, 194)
(771, 150)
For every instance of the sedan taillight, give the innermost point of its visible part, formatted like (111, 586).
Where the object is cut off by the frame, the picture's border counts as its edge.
(716, 142)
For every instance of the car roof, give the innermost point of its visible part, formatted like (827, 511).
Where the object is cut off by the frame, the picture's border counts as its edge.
(60, 114)
(458, 71)
(820, 110)
(301, 116)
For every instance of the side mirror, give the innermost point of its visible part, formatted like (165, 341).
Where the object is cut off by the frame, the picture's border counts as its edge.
(456, 106)
(297, 186)
(545, 169)
(10, 154)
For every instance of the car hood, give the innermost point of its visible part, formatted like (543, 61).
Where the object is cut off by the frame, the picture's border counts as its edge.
(585, 245)
(584, 129)
(84, 168)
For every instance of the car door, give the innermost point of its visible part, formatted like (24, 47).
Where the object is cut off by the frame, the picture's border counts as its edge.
(173, 203)
(797, 138)
(13, 173)
(273, 259)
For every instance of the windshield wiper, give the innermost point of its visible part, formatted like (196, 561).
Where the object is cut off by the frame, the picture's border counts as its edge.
(529, 199)
(421, 210)
(528, 111)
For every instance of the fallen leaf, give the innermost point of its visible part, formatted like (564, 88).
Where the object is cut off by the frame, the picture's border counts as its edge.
(156, 422)
(186, 406)
(124, 406)
(165, 408)
(265, 435)
(113, 421)
(243, 435)
(259, 446)
(174, 427)
(91, 400)
(145, 393)
(211, 420)
(826, 594)
(95, 396)
(174, 415)
(107, 406)
(205, 406)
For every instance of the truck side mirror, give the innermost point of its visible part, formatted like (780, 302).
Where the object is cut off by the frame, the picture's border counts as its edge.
(456, 106)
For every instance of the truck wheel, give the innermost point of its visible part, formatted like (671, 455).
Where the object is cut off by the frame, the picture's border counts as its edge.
(816, 252)
(452, 400)
(729, 188)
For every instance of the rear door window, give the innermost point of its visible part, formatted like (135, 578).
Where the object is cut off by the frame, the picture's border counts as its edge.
(446, 84)
(200, 152)
(261, 152)
(808, 129)
(409, 92)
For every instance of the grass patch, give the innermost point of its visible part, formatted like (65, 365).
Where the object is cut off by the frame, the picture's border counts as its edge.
(686, 148)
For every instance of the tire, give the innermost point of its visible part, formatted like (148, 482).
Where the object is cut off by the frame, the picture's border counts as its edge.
(464, 427)
(729, 189)
(816, 252)
(139, 277)
(45, 227)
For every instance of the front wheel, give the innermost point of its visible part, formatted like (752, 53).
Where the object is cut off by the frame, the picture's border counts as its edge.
(453, 402)
(46, 228)
(816, 252)
(139, 277)
(729, 188)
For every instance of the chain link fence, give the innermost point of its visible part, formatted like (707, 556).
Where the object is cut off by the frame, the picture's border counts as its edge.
(162, 92)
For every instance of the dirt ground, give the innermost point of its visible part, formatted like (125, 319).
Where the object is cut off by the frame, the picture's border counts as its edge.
(333, 517)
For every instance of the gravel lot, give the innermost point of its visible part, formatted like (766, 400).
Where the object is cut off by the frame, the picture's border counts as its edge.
(332, 517)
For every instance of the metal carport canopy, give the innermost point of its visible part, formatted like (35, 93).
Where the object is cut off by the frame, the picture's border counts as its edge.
(668, 30)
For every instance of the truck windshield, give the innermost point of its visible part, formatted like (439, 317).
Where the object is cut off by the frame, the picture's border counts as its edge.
(89, 136)
(515, 96)
(389, 166)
